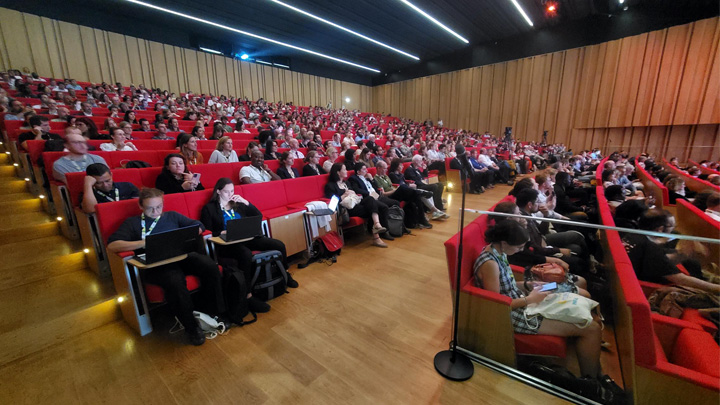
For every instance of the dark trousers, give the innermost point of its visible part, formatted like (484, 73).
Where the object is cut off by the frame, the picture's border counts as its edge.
(171, 278)
(369, 206)
(437, 190)
(243, 253)
(437, 165)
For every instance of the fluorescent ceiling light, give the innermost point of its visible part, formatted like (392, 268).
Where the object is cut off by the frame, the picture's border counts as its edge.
(211, 50)
(281, 65)
(621, 1)
(517, 5)
(263, 62)
(225, 27)
(244, 56)
(303, 12)
(429, 17)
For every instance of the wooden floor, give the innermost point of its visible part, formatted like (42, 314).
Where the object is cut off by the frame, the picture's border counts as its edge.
(364, 330)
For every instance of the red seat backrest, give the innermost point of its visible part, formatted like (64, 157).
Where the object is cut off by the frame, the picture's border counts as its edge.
(153, 144)
(301, 189)
(119, 159)
(211, 173)
(13, 129)
(149, 175)
(176, 202)
(195, 201)
(111, 215)
(266, 195)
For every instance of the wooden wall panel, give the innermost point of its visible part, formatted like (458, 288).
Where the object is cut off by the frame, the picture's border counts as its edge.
(658, 91)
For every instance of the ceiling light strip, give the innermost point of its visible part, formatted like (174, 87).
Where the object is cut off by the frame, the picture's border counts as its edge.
(225, 27)
(429, 17)
(338, 26)
(211, 50)
(520, 9)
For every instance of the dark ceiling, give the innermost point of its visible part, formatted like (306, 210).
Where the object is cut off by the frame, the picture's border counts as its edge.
(388, 21)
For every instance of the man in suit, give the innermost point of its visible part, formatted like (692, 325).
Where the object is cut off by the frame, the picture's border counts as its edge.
(417, 172)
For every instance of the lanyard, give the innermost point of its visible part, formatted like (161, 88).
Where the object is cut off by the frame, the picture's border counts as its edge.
(142, 221)
(76, 166)
(230, 213)
(109, 197)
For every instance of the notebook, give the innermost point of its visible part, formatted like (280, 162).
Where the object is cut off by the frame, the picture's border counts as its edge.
(165, 245)
(243, 228)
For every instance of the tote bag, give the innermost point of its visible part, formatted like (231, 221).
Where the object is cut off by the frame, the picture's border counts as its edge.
(567, 307)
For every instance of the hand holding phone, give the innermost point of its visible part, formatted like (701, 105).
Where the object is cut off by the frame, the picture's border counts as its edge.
(549, 287)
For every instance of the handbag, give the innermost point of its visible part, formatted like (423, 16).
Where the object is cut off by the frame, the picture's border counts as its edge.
(351, 201)
(567, 307)
(549, 272)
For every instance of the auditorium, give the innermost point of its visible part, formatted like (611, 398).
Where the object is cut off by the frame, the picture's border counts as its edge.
(395, 202)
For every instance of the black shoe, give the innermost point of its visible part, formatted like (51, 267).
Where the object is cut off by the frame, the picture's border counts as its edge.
(260, 307)
(610, 392)
(195, 335)
(387, 236)
(291, 282)
(425, 226)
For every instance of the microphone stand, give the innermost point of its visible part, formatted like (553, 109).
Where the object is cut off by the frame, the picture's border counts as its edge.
(449, 363)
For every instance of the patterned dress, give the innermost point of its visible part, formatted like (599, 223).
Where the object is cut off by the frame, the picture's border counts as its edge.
(508, 287)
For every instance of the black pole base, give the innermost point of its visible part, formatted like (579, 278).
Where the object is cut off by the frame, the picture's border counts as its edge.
(459, 370)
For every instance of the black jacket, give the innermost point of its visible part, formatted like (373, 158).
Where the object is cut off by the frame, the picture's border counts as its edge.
(331, 189)
(212, 217)
(415, 175)
(170, 185)
(358, 185)
(309, 171)
(284, 174)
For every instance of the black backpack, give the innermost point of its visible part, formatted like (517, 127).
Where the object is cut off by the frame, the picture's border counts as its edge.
(270, 277)
(396, 221)
(235, 292)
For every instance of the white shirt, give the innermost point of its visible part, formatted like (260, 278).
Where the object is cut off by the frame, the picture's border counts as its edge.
(254, 174)
(485, 159)
(110, 147)
(435, 156)
(218, 157)
(713, 214)
(297, 154)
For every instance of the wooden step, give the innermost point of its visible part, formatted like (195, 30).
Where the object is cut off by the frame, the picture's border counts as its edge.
(22, 219)
(23, 253)
(41, 229)
(7, 170)
(37, 271)
(5, 197)
(25, 341)
(29, 204)
(12, 186)
(50, 298)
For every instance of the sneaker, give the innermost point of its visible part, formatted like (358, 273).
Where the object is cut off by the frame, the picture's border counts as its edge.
(425, 226)
(444, 215)
(258, 306)
(437, 215)
(291, 282)
(379, 229)
(195, 335)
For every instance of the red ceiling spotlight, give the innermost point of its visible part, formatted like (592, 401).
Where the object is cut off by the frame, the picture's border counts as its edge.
(551, 7)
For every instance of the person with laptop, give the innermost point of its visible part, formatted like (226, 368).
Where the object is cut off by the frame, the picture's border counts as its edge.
(131, 236)
(225, 206)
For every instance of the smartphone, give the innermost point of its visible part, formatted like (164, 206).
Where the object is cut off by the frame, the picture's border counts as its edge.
(549, 287)
(196, 177)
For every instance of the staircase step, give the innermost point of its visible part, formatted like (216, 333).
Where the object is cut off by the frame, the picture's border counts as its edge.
(14, 197)
(29, 204)
(24, 341)
(22, 219)
(35, 251)
(41, 229)
(7, 170)
(51, 298)
(34, 272)
(12, 186)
